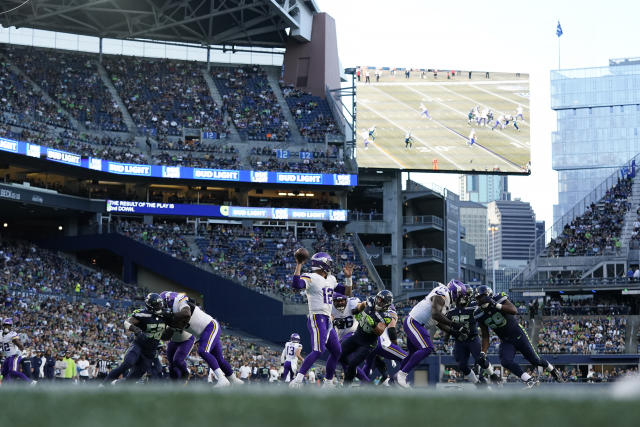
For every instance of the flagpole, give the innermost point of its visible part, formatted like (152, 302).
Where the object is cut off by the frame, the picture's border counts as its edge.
(558, 53)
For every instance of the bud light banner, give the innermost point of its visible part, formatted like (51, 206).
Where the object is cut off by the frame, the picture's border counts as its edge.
(177, 172)
(231, 212)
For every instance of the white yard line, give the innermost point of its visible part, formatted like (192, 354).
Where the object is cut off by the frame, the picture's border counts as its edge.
(383, 151)
(444, 156)
(454, 83)
(500, 96)
(450, 130)
(515, 140)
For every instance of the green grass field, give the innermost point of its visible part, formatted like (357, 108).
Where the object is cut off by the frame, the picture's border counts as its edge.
(277, 406)
(395, 109)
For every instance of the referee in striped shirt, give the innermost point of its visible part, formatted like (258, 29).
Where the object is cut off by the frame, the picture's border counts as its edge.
(103, 369)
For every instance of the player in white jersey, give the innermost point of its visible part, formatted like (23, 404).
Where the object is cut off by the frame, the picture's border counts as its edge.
(472, 137)
(499, 122)
(11, 348)
(206, 330)
(429, 312)
(320, 286)
(519, 113)
(290, 357)
(345, 325)
(482, 118)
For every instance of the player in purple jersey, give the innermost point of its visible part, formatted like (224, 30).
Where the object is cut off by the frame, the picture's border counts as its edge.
(11, 347)
(320, 285)
(290, 357)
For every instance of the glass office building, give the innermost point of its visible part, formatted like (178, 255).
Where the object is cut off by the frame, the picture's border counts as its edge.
(598, 119)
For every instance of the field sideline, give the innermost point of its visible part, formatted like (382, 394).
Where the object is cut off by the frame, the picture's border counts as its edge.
(395, 109)
(278, 406)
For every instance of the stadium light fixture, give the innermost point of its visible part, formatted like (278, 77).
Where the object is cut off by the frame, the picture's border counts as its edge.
(310, 194)
(59, 228)
(282, 194)
(5, 225)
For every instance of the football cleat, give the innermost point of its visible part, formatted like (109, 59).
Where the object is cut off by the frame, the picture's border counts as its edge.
(532, 382)
(295, 384)
(235, 380)
(557, 375)
(401, 379)
(222, 382)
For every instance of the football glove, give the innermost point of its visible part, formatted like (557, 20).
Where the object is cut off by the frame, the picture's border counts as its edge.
(487, 303)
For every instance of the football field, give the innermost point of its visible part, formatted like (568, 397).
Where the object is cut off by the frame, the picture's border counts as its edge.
(146, 406)
(443, 141)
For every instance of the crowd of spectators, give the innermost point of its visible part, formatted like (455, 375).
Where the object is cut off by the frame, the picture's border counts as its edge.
(72, 80)
(24, 103)
(311, 113)
(58, 331)
(597, 231)
(197, 145)
(260, 258)
(634, 243)
(250, 102)
(164, 96)
(36, 270)
(582, 335)
(302, 166)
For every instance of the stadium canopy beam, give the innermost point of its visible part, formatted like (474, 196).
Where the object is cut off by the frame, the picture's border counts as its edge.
(253, 23)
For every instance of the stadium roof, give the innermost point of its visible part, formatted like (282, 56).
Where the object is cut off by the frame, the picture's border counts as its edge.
(206, 22)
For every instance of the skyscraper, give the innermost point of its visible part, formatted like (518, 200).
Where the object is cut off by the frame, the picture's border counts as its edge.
(484, 188)
(598, 119)
(473, 217)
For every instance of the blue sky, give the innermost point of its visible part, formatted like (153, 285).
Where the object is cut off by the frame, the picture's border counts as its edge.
(496, 35)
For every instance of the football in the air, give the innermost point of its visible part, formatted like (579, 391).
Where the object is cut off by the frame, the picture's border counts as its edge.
(301, 255)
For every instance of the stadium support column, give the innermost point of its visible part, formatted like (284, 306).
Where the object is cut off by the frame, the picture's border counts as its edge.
(208, 57)
(101, 50)
(392, 208)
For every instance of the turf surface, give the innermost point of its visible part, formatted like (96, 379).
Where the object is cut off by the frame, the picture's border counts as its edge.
(277, 406)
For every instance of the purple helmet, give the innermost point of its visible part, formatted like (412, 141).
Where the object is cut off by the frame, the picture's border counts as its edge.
(8, 321)
(339, 301)
(322, 261)
(295, 337)
(457, 290)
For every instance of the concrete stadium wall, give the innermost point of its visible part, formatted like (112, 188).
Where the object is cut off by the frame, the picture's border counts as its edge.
(314, 65)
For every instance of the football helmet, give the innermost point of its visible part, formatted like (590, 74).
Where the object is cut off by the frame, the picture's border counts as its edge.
(483, 292)
(457, 289)
(154, 303)
(7, 324)
(465, 299)
(294, 337)
(322, 261)
(339, 302)
(384, 299)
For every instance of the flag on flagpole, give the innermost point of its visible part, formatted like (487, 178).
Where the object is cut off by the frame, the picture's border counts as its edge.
(559, 30)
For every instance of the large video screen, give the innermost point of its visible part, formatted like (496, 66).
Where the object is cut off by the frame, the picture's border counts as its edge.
(443, 120)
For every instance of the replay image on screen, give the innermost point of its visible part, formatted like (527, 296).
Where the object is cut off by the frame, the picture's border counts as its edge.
(442, 120)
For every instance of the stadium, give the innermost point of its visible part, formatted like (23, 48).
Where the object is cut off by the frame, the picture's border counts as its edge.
(204, 217)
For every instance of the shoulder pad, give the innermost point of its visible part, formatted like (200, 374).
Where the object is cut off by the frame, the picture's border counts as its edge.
(478, 313)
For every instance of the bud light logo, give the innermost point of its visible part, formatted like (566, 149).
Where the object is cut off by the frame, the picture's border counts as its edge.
(342, 179)
(259, 176)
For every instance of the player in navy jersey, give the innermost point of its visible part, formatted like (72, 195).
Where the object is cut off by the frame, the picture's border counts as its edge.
(373, 318)
(470, 345)
(149, 327)
(387, 348)
(499, 314)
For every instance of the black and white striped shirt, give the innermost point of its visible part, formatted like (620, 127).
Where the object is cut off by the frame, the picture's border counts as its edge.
(103, 367)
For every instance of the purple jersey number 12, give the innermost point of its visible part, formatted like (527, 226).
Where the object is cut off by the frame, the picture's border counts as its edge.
(327, 295)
